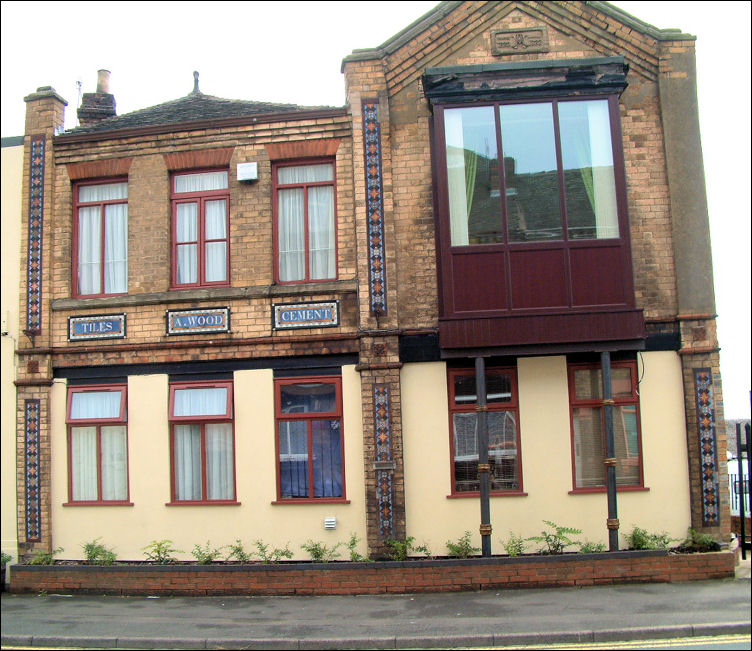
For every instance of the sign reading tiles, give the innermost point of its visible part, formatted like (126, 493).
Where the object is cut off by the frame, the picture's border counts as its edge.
(186, 322)
(384, 476)
(708, 448)
(34, 257)
(33, 508)
(321, 314)
(101, 326)
(374, 207)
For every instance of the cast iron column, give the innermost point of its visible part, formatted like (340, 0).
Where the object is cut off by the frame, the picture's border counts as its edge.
(608, 423)
(484, 468)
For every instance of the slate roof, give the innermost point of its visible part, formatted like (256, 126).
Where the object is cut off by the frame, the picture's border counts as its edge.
(194, 106)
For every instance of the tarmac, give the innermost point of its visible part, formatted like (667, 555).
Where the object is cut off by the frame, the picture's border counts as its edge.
(412, 621)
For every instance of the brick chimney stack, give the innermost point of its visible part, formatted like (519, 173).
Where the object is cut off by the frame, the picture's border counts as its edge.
(100, 105)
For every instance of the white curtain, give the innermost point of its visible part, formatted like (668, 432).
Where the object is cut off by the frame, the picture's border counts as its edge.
(102, 192)
(84, 463)
(305, 174)
(219, 462)
(211, 401)
(95, 404)
(321, 231)
(455, 153)
(200, 182)
(216, 229)
(291, 235)
(114, 463)
(116, 249)
(187, 462)
(89, 243)
(187, 231)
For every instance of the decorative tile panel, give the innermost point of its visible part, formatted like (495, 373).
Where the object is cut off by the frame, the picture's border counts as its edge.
(708, 448)
(36, 214)
(374, 208)
(384, 474)
(33, 507)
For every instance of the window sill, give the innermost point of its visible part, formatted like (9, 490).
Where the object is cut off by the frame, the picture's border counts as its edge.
(100, 503)
(315, 500)
(619, 489)
(476, 494)
(204, 503)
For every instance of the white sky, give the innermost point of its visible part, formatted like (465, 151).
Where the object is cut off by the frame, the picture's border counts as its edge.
(291, 52)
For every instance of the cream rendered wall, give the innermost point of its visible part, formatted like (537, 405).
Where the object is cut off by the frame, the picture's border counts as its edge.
(546, 459)
(128, 529)
(12, 174)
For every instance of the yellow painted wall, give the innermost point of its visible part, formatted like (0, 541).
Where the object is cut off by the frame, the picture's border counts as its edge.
(128, 529)
(546, 459)
(12, 173)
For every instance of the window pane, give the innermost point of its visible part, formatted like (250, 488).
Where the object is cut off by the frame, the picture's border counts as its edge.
(473, 175)
(502, 450)
(216, 262)
(626, 446)
(531, 172)
(200, 182)
(96, 404)
(211, 401)
(114, 463)
(84, 463)
(291, 235)
(327, 459)
(498, 388)
(187, 264)
(308, 398)
(216, 220)
(187, 224)
(220, 471)
(589, 454)
(116, 249)
(89, 250)
(103, 192)
(305, 174)
(588, 383)
(588, 169)
(187, 443)
(321, 232)
(293, 459)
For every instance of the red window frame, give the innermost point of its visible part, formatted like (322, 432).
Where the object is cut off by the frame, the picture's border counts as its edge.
(309, 417)
(122, 418)
(511, 406)
(597, 403)
(202, 420)
(79, 204)
(199, 197)
(280, 186)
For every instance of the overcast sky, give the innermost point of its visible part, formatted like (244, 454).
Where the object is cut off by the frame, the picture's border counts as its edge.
(292, 52)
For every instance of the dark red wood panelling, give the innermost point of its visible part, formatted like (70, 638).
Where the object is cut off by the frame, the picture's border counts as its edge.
(539, 279)
(479, 282)
(597, 276)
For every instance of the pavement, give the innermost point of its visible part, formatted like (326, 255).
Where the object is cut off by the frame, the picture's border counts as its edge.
(446, 620)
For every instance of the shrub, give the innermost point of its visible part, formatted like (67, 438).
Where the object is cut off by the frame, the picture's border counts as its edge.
(97, 554)
(399, 550)
(462, 548)
(515, 545)
(206, 555)
(699, 542)
(161, 551)
(45, 558)
(352, 545)
(319, 552)
(588, 547)
(642, 539)
(557, 540)
(237, 551)
(273, 555)
(6, 558)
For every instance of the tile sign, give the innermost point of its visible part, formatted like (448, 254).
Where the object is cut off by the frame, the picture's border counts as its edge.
(322, 314)
(101, 326)
(185, 322)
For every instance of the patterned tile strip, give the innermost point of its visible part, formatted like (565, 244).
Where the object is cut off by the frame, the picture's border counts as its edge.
(36, 209)
(31, 472)
(374, 208)
(708, 449)
(384, 485)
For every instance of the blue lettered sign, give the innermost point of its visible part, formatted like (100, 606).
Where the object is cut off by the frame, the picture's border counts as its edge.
(185, 322)
(322, 314)
(101, 326)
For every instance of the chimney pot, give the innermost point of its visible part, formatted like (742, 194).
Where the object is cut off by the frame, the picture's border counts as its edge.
(103, 81)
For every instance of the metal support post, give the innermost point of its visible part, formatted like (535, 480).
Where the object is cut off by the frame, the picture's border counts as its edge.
(608, 423)
(484, 468)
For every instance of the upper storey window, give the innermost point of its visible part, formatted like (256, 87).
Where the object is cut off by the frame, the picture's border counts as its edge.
(101, 239)
(305, 234)
(200, 229)
(557, 175)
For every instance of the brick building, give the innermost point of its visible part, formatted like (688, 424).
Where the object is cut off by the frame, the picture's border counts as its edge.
(245, 320)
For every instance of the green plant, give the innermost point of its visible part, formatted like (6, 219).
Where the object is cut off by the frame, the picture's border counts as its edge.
(588, 547)
(555, 541)
(352, 545)
(319, 552)
(700, 542)
(6, 558)
(462, 548)
(206, 555)
(161, 551)
(514, 545)
(98, 554)
(641, 539)
(273, 555)
(237, 551)
(45, 558)
(399, 550)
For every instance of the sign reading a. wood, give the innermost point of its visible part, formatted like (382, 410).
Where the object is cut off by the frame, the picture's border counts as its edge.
(185, 322)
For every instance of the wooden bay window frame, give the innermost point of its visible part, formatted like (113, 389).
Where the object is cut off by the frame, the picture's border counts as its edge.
(201, 420)
(200, 198)
(295, 415)
(114, 420)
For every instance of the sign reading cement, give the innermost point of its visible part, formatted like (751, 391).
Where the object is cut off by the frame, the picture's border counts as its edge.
(101, 326)
(322, 314)
(185, 322)
(519, 41)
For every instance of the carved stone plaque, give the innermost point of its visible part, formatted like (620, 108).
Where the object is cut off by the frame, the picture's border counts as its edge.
(519, 41)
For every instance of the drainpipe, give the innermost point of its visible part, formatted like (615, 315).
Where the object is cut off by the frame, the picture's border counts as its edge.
(484, 468)
(608, 421)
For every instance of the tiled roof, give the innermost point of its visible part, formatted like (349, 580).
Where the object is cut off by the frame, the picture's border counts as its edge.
(192, 107)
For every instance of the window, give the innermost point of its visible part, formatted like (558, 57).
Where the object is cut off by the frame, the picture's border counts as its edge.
(202, 442)
(97, 445)
(101, 238)
(305, 234)
(503, 433)
(557, 179)
(588, 434)
(200, 233)
(309, 439)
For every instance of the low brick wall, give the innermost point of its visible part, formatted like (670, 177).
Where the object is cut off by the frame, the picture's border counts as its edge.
(443, 575)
